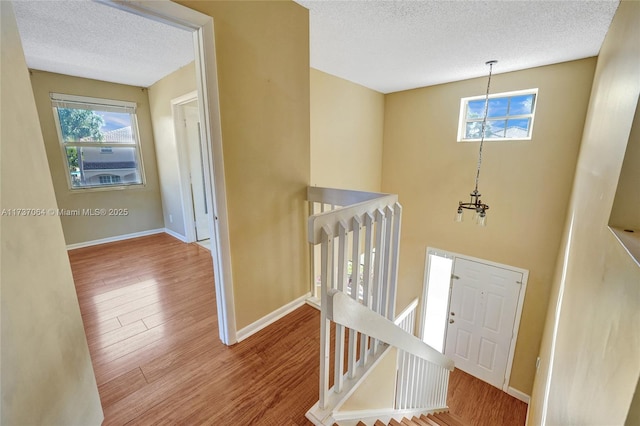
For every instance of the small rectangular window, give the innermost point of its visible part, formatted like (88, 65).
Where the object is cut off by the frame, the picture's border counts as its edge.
(107, 179)
(99, 141)
(509, 116)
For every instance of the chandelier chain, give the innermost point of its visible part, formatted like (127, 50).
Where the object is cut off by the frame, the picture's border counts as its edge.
(475, 203)
(484, 125)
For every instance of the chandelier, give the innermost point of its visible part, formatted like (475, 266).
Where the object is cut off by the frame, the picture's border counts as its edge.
(476, 204)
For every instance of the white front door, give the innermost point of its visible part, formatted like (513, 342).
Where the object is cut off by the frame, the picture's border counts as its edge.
(196, 169)
(482, 311)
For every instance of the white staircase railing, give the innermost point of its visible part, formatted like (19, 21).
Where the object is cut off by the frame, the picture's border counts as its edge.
(358, 235)
(350, 204)
(420, 383)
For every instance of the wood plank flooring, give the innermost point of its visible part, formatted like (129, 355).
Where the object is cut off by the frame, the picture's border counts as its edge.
(480, 404)
(149, 312)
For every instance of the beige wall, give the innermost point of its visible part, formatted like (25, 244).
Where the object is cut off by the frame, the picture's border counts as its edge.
(262, 53)
(633, 417)
(626, 205)
(591, 347)
(47, 377)
(378, 388)
(144, 204)
(346, 134)
(161, 94)
(526, 183)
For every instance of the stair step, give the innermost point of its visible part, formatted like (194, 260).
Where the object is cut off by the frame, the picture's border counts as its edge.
(444, 419)
(457, 419)
(434, 419)
(449, 419)
(419, 422)
(430, 421)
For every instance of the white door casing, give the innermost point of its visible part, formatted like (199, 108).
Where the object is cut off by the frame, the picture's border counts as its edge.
(482, 310)
(196, 171)
(201, 25)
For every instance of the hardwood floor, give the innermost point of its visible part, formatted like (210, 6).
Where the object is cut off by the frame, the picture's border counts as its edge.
(149, 313)
(480, 404)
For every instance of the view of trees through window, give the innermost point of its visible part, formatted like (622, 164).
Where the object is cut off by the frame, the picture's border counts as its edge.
(79, 124)
(76, 125)
(100, 145)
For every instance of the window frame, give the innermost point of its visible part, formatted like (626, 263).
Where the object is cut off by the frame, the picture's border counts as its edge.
(464, 104)
(60, 100)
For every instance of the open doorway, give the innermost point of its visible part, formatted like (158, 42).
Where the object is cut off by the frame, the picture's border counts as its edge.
(471, 313)
(201, 27)
(121, 74)
(192, 156)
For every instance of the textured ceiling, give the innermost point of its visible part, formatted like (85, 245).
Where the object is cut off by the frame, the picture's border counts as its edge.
(390, 46)
(381, 44)
(87, 39)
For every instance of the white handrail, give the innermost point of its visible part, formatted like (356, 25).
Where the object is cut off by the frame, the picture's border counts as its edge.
(339, 197)
(406, 319)
(330, 220)
(348, 312)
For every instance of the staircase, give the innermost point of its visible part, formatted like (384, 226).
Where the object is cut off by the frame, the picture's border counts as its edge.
(356, 237)
(438, 419)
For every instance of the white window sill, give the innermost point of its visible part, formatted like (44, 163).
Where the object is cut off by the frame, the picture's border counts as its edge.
(491, 140)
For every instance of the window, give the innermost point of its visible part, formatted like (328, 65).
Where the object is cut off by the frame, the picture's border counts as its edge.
(99, 141)
(509, 117)
(107, 179)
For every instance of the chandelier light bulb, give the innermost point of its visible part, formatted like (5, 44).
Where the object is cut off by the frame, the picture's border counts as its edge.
(482, 219)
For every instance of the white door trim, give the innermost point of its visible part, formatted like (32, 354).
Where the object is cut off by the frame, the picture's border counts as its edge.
(518, 315)
(183, 166)
(185, 192)
(207, 87)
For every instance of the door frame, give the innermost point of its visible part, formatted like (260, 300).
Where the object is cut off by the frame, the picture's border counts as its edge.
(201, 25)
(516, 323)
(183, 164)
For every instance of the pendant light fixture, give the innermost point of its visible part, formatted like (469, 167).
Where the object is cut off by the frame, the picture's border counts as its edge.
(476, 203)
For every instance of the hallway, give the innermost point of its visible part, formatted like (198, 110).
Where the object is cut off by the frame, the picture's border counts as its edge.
(149, 312)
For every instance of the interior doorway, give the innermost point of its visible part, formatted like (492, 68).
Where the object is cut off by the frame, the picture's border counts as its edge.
(201, 27)
(193, 154)
(471, 313)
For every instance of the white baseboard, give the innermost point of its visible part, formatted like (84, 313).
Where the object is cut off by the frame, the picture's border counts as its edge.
(518, 394)
(383, 414)
(313, 302)
(174, 234)
(115, 238)
(270, 318)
